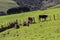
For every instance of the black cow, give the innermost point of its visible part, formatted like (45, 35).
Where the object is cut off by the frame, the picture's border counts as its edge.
(43, 17)
(11, 25)
(16, 24)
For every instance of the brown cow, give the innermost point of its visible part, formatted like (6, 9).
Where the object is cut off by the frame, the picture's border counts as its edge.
(31, 19)
(26, 23)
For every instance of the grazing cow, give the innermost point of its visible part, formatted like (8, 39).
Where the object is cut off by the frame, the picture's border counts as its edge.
(26, 23)
(43, 17)
(11, 25)
(31, 19)
(16, 24)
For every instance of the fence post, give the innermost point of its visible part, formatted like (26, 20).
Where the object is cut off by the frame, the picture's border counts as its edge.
(50, 18)
(54, 17)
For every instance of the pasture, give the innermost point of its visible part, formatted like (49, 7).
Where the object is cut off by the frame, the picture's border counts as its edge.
(48, 30)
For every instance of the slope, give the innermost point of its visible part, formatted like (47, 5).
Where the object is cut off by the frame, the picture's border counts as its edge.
(48, 30)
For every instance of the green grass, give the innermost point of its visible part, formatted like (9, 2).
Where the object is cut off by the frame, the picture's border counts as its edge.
(48, 30)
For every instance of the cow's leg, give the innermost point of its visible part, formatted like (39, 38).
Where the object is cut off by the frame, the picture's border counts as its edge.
(31, 21)
(44, 19)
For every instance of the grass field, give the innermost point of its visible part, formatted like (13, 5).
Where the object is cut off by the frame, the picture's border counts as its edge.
(48, 30)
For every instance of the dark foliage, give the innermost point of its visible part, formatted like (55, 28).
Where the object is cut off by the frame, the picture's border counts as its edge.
(17, 10)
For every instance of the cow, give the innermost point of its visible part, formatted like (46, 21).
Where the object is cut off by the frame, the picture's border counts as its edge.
(31, 19)
(25, 23)
(13, 24)
(43, 17)
(16, 26)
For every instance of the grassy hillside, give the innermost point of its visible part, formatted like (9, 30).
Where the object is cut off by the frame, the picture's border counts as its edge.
(56, 6)
(49, 30)
(6, 4)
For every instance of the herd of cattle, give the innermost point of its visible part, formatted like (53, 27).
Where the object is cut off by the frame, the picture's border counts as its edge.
(26, 23)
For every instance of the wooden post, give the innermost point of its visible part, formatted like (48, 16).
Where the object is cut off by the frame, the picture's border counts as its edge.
(20, 23)
(54, 17)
